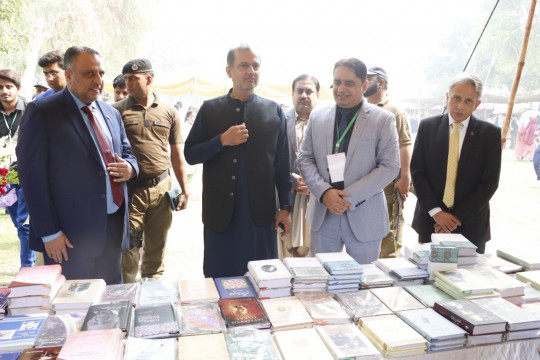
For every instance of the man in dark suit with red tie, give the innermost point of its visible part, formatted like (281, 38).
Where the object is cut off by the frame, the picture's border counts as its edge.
(453, 197)
(74, 158)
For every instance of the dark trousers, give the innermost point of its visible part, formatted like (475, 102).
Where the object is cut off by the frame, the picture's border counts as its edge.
(19, 214)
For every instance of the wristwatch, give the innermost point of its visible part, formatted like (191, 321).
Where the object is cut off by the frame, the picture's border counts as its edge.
(286, 207)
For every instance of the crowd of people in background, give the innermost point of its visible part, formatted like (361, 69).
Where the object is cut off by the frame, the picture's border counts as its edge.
(96, 193)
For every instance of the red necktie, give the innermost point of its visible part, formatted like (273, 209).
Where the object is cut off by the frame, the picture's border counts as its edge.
(108, 157)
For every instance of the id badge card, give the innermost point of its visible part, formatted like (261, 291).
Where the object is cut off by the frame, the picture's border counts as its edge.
(336, 166)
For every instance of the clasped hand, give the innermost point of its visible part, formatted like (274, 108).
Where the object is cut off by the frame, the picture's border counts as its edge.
(445, 222)
(121, 170)
(235, 135)
(333, 200)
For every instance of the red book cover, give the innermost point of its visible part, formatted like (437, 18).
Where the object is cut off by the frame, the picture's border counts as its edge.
(92, 345)
(37, 275)
(243, 311)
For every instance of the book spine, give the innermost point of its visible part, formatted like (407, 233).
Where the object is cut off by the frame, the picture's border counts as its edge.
(459, 321)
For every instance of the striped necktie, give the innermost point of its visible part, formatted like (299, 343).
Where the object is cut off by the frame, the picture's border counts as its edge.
(452, 166)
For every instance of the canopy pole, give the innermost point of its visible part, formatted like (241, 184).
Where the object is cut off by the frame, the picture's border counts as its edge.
(521, 64)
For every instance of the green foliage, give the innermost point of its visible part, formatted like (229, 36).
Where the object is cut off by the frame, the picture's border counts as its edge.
(14, 24)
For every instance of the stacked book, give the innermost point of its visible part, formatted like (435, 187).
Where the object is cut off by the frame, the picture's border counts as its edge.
(120, 292)
(154, 291)
(345, 272)
(362, 303)
(418, 254)
(529, 259)
(33, 289)
(82, 345)
(346, 341)
(530, 277)
(324, 309)
(198, 291)
(19, 332)
(287, 313)
(251, 344)
(483, 326)
(441, 333)
(244, 313)
(76, 296)
(403, 271)
(270, 278)
(428, 294)
(233, 287)
(521, 323)
(309, 276)
(466, 249)
(462, 284)
(397, 299)
(442, 258)
(492, 260)
(392, 336)
(505, 285)
(373, 277)
(200, 319)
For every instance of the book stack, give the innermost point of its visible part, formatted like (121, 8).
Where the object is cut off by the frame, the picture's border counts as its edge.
(18, 333)
(400, 266)
(492, 260)
(373, 277)
(346, 341)
(441, 333)
(442, 258)
(4, 292)
(234, 287)
(82, 345)
(309, 276)
(154, 292)
(270, 278)
(392, 336)
(244, 312)
(462, 284)
(287, 313)
(252, 344)
(33, 289)
(521, 323)
(303, 344)
(345, 272)
(428, 294)
(466, 249)
(324, 309)
(200, 319)
(529, 259)
(362, 303)
(508, 287)
(76, 296)
(483, 326)
(397, 299)
(418, 254)
(198, 291)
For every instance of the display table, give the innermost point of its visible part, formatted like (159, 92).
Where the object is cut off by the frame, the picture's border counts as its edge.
(511, 350)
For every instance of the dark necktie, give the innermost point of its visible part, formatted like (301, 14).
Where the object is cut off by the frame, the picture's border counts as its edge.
(108, 157)
(342, 124)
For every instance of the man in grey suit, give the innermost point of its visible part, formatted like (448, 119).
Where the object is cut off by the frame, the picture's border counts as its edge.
(305, 93)
(349, 153)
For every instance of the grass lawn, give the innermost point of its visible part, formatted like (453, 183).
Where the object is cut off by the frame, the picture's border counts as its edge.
(9, 248)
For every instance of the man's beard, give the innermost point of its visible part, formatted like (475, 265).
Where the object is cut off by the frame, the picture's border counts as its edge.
(371, 90)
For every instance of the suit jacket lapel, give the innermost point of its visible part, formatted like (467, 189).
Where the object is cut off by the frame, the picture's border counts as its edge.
(357, 130)
(329, 128)
(468, 141)
(291, 129)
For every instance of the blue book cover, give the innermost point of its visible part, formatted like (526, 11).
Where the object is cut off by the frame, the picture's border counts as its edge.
(10, 355)
(410, 273)
(233, 287)
(343, 267)
(440, 253)
(19, 332)
(432, 325)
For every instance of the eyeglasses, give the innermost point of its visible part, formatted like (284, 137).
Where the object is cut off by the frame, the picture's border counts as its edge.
(51, 73)
(300, 91)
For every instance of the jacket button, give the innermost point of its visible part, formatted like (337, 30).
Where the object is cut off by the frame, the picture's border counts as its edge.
(101, 173)
(234, 161)
(237, 109)
(233, 177)
(231, 194)
(103, 196)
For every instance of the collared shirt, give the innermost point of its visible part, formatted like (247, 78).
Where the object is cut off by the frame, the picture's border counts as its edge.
(9, 123)
(300, 126)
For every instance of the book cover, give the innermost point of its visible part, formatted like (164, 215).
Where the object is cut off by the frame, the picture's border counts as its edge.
(516, 317)
(418, 253)
(251, 345)
(271, 273)
(373, 276)
(37, 275)
(4, 293)
(410, 273)
(440, 253)
(324, 309)
(303, 344)
(389, 264)
(153, 292)
(392, 334)
(287, 313)
(427, 294)
(471, 317)
(150, 349)
(397, 299)
(36, 300)
(234, 287)
(526, 258)
(108, 316)
(93, 345)
(343, 267)
(12, 355)
(200, 319)
(464, 281)
(335, 256)
(346, 341)
(203, 347)
(308, 268)
(155, 321)
(37, 289)
(18, 333)
(504, 284)
(79, 294)
(432, 325)
(243, 312)
(120, 292)
(196, 291)
(49, 353)
(492, 260)
(55, 331)
(362, 303)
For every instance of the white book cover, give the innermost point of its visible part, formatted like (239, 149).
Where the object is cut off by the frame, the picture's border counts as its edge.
(346, 341)
(335, 256)
(271, 273)
(305, 344)
(432, 325)
(504, 284)
(77, 294)
(389, 264)
(517, 318)
(324, 309)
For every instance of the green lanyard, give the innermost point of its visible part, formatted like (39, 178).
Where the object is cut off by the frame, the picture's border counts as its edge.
(13, 122)
(340, 138)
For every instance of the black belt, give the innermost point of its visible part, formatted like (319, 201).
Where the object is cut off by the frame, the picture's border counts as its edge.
(149, 182)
